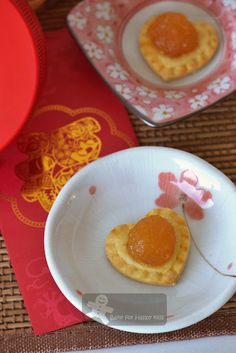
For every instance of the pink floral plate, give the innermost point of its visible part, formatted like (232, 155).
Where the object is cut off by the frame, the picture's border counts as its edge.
(107, 31)
(122, 188)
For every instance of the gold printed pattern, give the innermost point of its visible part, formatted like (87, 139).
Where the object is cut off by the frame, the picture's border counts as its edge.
(31, 144)
(54, 157)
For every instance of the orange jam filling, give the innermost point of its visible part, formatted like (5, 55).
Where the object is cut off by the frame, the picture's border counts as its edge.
(152, 241)
(173, 34)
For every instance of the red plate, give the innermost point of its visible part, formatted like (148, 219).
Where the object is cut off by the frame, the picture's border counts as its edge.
(22, 66)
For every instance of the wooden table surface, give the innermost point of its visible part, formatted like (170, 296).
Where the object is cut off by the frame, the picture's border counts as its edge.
(210, 134)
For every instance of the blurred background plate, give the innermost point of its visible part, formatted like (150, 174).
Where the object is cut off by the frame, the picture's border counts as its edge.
(108, 33)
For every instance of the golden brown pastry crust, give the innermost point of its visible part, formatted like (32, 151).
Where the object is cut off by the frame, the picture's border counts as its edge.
(165, 275)
(172, 68)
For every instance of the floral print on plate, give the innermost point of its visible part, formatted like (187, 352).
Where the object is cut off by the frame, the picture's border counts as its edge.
(96, 25)
(185, 189)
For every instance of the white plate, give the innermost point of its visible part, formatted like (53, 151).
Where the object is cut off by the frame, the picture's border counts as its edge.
(121, 188)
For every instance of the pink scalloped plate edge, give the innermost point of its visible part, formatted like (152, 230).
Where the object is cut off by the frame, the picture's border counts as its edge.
(97, 26)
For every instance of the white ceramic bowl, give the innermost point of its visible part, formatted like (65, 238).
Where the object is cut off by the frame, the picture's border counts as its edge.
(123, 187)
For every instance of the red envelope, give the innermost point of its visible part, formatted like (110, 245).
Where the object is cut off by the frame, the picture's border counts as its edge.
(77, 120)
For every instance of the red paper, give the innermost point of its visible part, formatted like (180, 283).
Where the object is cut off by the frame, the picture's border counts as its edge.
(77, 120)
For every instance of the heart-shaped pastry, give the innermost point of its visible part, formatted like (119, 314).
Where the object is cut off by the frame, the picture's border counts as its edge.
(175, 47)
(154, 250)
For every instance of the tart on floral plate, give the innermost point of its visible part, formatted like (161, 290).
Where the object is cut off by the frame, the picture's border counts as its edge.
(120, 189)
(108, 33)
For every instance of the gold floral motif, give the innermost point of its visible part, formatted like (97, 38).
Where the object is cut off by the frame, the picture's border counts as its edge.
(54, 157)
(44, 163)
